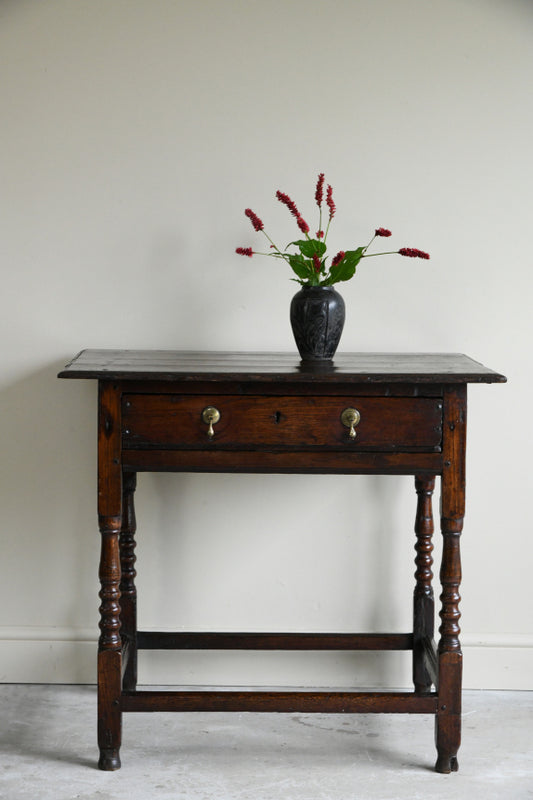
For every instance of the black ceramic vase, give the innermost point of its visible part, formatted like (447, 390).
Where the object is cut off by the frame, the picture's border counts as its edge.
(317, 320)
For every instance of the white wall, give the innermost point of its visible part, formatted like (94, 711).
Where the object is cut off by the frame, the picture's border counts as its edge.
(134, 134)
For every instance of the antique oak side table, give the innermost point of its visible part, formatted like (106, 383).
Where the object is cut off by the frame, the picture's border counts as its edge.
(386, 414)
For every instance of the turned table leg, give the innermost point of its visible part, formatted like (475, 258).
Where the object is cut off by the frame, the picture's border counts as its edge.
(109, 648)
(110, 523)
(448, 719)
(423, 603)
(128, 592)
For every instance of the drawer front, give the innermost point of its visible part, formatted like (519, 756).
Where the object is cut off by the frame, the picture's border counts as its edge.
(249, 422)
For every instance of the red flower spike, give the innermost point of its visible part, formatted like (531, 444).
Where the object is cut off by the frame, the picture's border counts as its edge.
(316, 270)
(412, 252)
(286, 200)
(254, 219)
(302, 224)
(329, 200)
(319, 189)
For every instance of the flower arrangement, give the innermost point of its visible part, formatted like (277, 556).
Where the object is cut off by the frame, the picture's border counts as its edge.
(310, 263)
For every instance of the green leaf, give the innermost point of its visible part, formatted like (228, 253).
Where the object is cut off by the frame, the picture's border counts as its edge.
(346, 269)
(301, 267)
(310, 247)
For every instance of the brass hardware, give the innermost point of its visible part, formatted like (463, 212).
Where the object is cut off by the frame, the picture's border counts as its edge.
(350, 418)
(210, 416)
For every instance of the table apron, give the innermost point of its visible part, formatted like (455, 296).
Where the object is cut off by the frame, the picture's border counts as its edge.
(308, 462)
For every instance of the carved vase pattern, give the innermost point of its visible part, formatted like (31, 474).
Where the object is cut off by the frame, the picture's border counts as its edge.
(317, 319)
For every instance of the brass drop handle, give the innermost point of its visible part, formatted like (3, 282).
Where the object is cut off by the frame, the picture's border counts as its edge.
(210, 416)
(350, 418)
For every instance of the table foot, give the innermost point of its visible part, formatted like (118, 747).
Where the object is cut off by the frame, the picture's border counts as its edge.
(446, 764)
(109, 760)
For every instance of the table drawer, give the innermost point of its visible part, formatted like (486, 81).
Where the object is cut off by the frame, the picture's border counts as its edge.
(250, 422)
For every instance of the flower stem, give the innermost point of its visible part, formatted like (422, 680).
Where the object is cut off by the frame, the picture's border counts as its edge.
(370, 242)
(388, 253)
(327, 229)
(276, 248)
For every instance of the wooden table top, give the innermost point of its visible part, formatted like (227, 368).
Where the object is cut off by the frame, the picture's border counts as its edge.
(267, 367)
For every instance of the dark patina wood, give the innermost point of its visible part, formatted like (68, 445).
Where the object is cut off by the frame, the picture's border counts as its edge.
(281, 416)
(169, 421)
(156, 640)
(288, 702)
(423, 604)
(128, 591)
(110, 522)
(260, 368)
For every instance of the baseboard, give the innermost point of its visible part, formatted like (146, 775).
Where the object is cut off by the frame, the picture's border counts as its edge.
(68, 655)
(47, 655)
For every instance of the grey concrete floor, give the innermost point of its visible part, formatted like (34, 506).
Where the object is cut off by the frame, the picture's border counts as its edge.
(47, 750)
